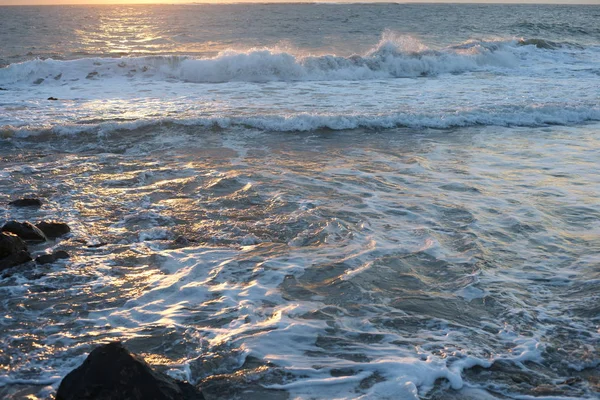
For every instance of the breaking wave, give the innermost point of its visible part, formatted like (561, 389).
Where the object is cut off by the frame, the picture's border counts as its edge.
(515, 116)
(394, 57)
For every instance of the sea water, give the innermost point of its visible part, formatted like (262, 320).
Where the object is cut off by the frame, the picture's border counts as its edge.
(308, 201)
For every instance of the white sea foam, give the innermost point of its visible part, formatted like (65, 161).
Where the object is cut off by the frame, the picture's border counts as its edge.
(355, 334)
(202, 277)
(526, 117)
(394, 57)
(362, 263)
(506, 84)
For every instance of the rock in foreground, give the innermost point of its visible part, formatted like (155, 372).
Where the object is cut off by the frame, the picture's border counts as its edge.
(13, 251)
(25, 230)
(111, 372)
(53, 229)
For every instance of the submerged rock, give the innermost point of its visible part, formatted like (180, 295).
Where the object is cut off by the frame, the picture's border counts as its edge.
(25, 231)
(26, 202)
(539, 43)
(96, 245)
(251, 380)
(50, 258)
(53, 229)
(182, 241)
(111, 372)
(13, 251)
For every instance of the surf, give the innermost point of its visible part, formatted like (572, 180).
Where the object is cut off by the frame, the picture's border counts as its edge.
(395, 56)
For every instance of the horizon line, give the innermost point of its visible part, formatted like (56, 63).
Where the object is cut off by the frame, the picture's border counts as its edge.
(167, 3)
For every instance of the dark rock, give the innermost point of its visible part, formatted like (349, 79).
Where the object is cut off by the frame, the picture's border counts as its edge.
(26, 202)
(13, 251)
(53, 229)
(25, 231)
(45, 259)
(50, 258)
(52, 98)
(95, 246)
(111, 372)
(182, 241)
(61, 254)
(539, 43)
(1, 88)
(38, 81)
(91, 75)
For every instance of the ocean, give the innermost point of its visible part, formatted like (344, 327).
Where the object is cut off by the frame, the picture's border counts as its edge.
(307, 201)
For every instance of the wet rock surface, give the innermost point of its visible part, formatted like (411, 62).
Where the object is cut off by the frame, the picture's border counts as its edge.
(13, 251)
(50, 258)
(53, 229)
(26, 202)
(25, 230)
(111, 372)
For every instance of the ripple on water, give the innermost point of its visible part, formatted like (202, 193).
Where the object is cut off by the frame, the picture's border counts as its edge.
(286, 264)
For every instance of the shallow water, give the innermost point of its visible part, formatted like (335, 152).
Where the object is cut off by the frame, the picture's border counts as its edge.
(309, 202)
(378, 262)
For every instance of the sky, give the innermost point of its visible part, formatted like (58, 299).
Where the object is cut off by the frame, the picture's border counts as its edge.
(37, 2)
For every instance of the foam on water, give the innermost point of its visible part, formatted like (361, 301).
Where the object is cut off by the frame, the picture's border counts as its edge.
(197, 278)
(429, 231)
(395, 56)
(512, 116)
(374, 277)
(407, 372)
(503, 83)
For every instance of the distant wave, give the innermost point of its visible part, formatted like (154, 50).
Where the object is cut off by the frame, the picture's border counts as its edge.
(516, 116)
(561, 28)
(394, 57)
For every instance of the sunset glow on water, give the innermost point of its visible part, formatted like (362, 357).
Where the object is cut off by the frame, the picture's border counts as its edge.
(306, 201)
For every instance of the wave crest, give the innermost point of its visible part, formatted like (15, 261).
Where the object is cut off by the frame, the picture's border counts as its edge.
(395, 56)
(516, 116)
